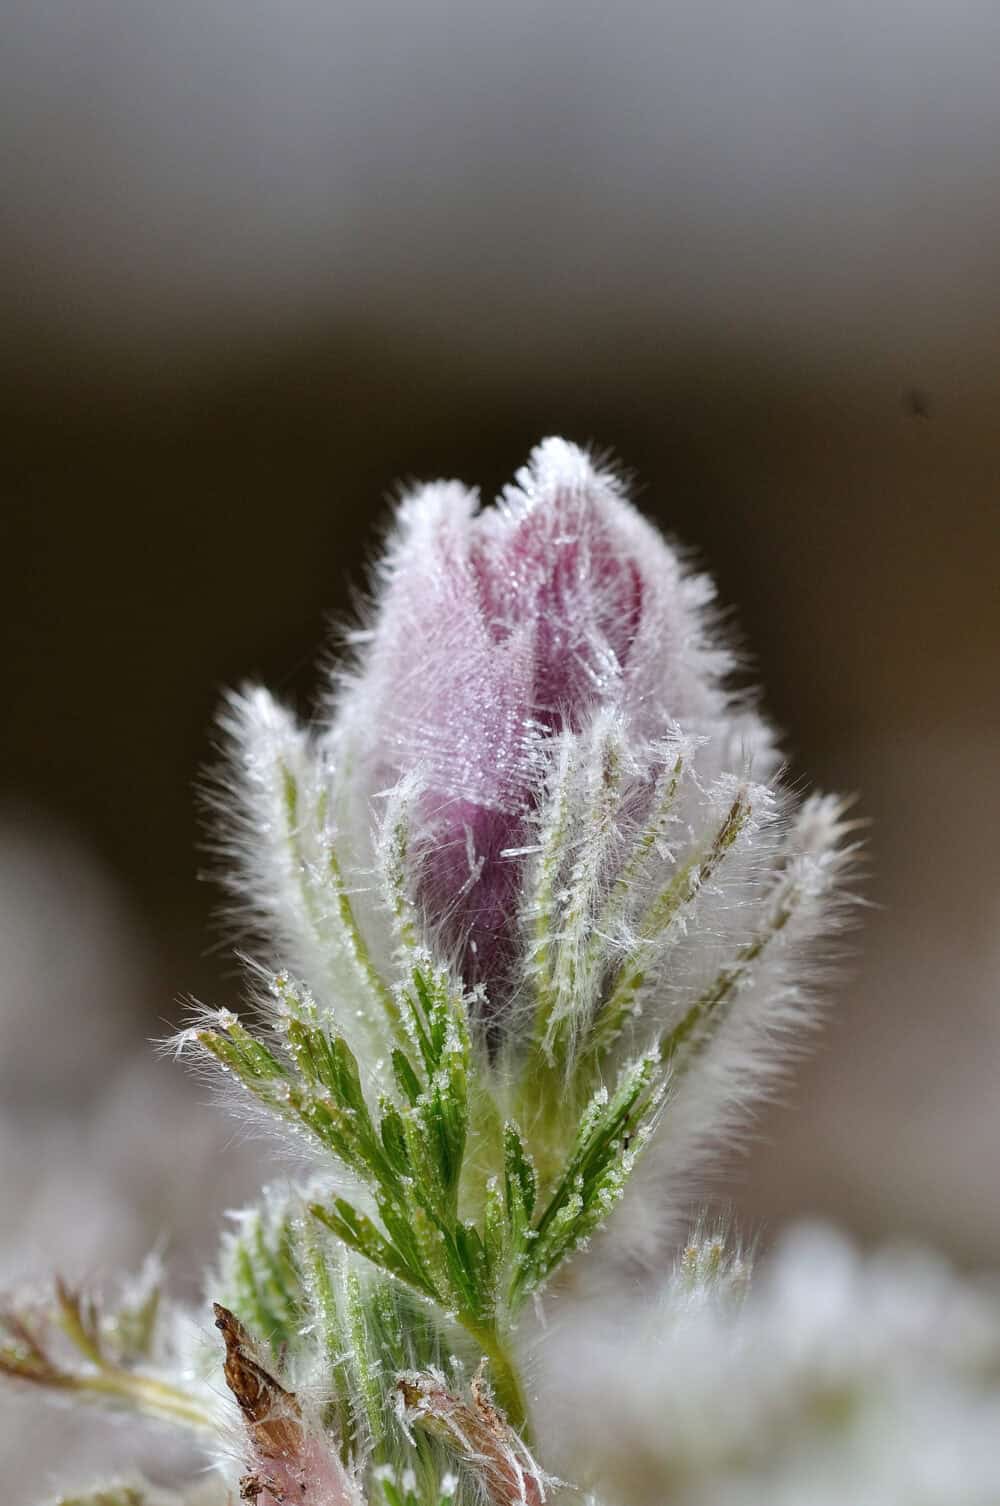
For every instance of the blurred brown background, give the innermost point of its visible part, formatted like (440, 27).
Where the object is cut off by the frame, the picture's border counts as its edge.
(262, 263)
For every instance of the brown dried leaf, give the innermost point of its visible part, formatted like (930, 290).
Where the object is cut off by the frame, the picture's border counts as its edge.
(477, 1433)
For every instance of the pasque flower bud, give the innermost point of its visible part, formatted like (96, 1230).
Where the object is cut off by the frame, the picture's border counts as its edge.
(536, 793)
(534, 909)
(496, 630)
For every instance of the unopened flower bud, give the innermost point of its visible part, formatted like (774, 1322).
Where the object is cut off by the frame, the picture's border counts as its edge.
(495, 632)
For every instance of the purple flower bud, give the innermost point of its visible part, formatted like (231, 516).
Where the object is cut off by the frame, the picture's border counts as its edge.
(494, 632)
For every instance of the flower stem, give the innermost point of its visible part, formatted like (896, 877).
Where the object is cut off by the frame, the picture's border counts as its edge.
(155, 1397)
(503, 1372)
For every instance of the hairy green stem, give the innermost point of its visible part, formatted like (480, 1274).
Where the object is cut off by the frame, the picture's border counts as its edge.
(507, 1387)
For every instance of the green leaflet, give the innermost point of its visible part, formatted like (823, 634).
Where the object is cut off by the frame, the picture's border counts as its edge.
(261, 1278)
(686, 883)
(409, 1151)
(520, 1184)
(325, 899)
(611, 1132)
